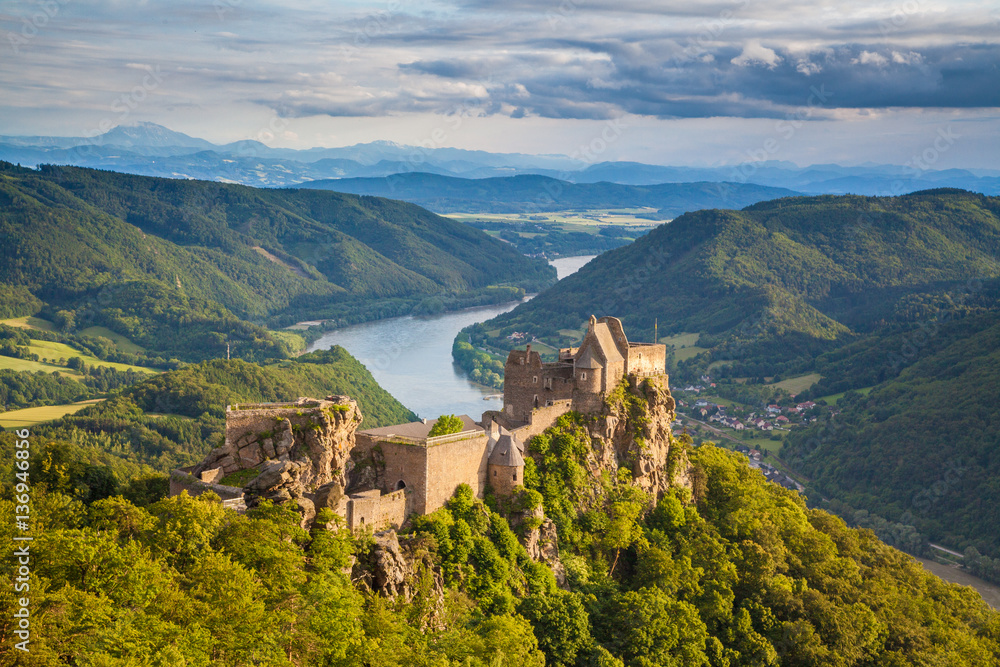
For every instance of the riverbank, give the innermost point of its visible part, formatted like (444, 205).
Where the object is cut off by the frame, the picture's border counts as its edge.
(989, 592)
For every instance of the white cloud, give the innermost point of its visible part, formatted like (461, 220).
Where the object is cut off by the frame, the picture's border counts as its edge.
(808, 67)
(754, 53)
(870, 58)
(911, 58)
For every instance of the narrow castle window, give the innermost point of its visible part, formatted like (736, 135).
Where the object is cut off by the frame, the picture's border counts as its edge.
(583, 376)
(494, 473)
(515, 475)
(534, 379)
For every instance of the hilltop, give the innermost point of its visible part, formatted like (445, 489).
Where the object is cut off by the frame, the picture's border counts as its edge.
(140, 255)
(533, 193)
(899, 297)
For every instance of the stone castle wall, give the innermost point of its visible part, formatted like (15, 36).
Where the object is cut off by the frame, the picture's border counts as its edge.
(453, 463)
(647, 359)
(372, 509)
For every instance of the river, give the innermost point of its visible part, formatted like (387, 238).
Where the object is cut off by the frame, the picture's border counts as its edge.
(411, 356)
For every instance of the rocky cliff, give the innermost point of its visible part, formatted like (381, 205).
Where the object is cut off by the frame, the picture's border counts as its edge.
(301, 451)
(633, 432)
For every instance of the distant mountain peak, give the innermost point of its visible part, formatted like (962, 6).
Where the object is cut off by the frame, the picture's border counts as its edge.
(144, 133)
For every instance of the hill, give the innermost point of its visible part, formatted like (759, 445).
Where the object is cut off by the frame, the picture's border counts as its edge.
(180, 267)
(728, 570)
(175, 418)
(533, 193)
(794, 276)
(896, 296)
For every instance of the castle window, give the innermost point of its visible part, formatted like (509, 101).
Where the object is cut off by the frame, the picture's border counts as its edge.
(515, 475)
(494, 473)
(583, 376)
(400, 485)
(534, 379)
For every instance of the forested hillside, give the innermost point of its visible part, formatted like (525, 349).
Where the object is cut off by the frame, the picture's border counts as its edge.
(531, 193)
(185, 266)
(175, 418)
(898, 297)
(729, 572)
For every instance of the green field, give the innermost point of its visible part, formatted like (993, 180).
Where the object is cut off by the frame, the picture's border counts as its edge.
(682, 340)
(688, 352)
(833, 398)
(50, 350)
(30, 323)
(798, 384)
(123, 343)
(29, 417)
(14, 364)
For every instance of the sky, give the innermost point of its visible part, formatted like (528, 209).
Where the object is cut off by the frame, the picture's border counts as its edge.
(659, 81)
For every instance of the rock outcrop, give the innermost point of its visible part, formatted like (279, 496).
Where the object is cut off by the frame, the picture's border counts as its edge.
(298, 448)
(634, 432)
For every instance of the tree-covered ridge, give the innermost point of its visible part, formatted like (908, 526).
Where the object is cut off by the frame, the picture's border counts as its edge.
(921, 448)
(530, 193)
(175, 418)
(736, 572)
(179, 266)
(796, 276)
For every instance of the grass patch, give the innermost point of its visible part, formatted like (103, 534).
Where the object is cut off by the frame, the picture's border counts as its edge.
(682, 340)
(688, 352)
(46, 349)
(239, 478)
(833, 398)
(540, 347)
(799, 384)
(14, 364)
(30, 323)
(120, 341)
(294, 341)
(29, 417)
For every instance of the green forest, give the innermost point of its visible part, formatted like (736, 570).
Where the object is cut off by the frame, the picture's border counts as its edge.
(187, 267)
(726, 570)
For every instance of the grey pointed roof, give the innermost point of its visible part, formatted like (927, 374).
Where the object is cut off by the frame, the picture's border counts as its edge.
(589, 360)
(507, 452)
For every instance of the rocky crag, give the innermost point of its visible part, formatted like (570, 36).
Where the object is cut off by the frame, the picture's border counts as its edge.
(301, 451)
(634, 432)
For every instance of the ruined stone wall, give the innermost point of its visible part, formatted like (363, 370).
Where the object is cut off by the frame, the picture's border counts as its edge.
(647, 359)
(371, 509)
(183, 480)
(522, 382)
(452, 463)
(408, 464)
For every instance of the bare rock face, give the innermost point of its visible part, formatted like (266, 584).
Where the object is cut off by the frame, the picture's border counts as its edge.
(635, 433)
(390, 570)
(542, 545)
(299, 448)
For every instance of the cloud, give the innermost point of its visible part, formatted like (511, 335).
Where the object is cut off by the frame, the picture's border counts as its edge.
(870, 58)
(755, 54)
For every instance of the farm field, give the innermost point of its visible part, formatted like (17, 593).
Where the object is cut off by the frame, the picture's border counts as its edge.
(30, 323)
(123, 343)
(29, 417)
(799, 384)
(586, 218)
(50, 350)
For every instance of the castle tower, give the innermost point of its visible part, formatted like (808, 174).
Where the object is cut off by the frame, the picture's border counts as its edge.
(505, 467)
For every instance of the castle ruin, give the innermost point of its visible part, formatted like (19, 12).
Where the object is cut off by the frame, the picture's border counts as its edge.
(310, 452)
